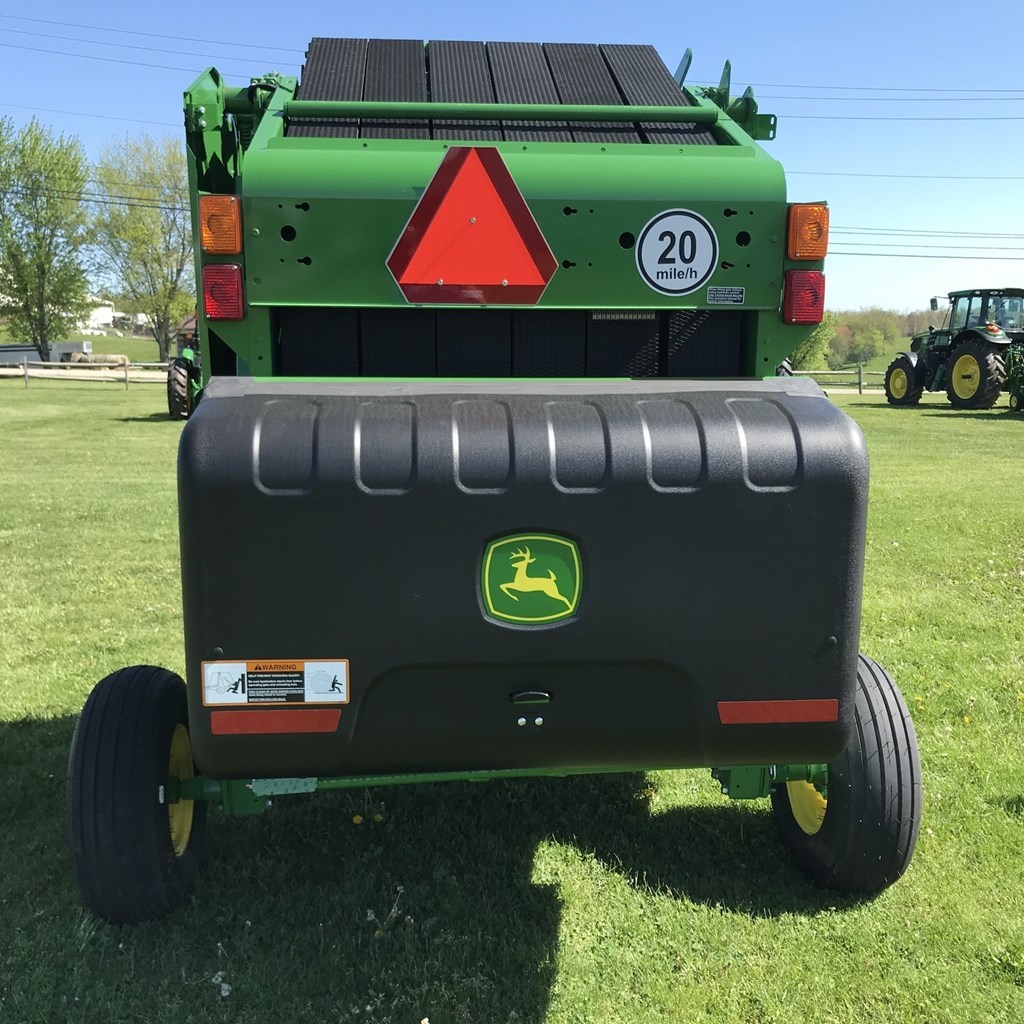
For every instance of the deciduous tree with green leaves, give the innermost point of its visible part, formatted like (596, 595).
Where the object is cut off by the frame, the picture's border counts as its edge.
(43, 283)
(142, 231)
(813, 353)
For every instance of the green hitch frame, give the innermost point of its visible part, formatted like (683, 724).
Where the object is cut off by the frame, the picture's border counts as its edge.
(253, 796)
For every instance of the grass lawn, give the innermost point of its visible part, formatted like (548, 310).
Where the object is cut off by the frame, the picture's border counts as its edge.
(632, 898)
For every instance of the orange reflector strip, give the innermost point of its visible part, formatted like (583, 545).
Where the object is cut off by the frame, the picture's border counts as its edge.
(274, 720)
(220, 225)
(777, 712)
(807, 238)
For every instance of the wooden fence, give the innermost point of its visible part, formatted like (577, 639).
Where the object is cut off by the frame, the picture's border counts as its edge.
(129, 373)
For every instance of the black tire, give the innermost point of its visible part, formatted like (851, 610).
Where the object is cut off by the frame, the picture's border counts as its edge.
(976, 373)
(179, 389)
(902, 386)
(1016, 401)
(871, 819)
(784, 369)
(128, 865)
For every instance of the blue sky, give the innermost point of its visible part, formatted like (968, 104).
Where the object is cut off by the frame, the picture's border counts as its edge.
(908, 118)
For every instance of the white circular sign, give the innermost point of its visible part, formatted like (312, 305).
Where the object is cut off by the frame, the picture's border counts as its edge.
(676, 252)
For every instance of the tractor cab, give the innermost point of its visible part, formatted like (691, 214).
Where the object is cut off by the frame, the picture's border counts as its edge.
(1006, 310)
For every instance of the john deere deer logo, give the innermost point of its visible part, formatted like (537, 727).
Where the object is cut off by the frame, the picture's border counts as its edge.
(531, 578)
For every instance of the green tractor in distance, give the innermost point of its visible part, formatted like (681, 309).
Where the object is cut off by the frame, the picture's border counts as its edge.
(967, 356)
(1015, 376)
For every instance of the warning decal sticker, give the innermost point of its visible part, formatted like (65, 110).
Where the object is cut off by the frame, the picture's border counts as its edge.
(275, 682)
(676, 252)
(725, 296)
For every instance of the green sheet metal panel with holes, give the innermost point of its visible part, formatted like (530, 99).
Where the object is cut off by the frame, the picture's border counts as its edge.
(685, 212)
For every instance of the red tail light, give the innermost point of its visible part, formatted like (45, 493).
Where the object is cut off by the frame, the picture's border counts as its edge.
(222, 292)
(803, 299)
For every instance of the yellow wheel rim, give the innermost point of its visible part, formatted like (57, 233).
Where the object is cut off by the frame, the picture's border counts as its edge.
(808, 806)
(898, 382)
(180, 814)
(1015, 401)
(966, 377)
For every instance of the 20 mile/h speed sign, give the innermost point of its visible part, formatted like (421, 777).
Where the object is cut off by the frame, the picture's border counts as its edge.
(676, 252)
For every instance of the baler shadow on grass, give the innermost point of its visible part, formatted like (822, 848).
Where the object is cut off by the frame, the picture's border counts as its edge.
(719, 855)
(436, 901)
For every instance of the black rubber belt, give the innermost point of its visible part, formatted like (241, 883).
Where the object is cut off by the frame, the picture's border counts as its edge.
(521, 75)
(459, 73)
(581, 76)
(395, 72)
(333, 71)
(645, 81)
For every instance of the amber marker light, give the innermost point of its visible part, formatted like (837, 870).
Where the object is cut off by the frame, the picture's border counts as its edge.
(220, 225)
(807, 238)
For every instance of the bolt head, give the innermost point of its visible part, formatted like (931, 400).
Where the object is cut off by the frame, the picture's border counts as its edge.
(538, 720)
(521, 721)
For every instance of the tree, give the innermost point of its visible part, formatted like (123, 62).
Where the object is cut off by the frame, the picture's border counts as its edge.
(813, 353)
(43, 284)
(142, 231)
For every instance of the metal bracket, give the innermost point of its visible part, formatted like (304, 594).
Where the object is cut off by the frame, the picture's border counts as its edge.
(751, 782)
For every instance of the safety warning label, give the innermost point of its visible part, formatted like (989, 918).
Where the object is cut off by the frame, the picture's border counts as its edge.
(725, 296)
(275, 682)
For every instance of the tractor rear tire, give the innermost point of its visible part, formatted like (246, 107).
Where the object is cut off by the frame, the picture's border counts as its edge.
(134, 855)
(179, 389)
(977, 374)
(861, 838)
(901, 384)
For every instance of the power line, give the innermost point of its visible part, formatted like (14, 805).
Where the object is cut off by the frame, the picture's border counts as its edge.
(875, 88)
(897, 99)
(82, 113)
(130, 46)
(151, 35)
(925, 177)
(927, 256)
(924, 245)
(866, 117)
(115, 60)
(103, 199)
(107, 60)
(844, 229)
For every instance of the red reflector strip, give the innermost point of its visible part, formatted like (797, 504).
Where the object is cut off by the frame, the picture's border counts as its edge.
(777, 712)
(222, 292)
(279, 720)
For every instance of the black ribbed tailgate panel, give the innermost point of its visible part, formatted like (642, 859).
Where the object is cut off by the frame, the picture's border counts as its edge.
(406, 70)
(501, 343)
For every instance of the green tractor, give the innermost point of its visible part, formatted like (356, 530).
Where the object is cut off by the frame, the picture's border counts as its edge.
(967, 357)
(184, 376)
(1015, 376)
